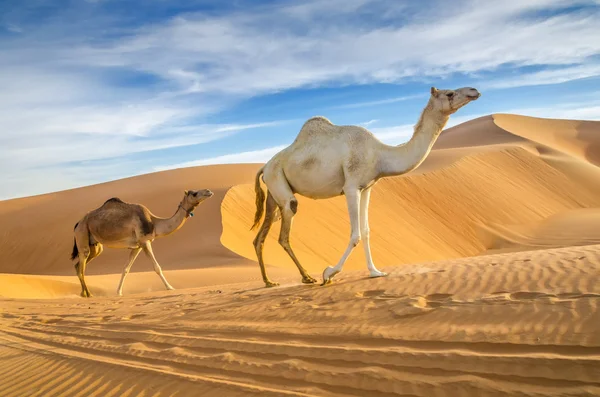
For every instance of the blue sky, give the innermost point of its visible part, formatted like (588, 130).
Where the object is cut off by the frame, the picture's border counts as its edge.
(103, 89)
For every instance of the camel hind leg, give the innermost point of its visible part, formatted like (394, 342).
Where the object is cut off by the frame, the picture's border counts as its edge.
(287, 217)
(259, 240)
(82, 240)
(282, 193)
(95, 251)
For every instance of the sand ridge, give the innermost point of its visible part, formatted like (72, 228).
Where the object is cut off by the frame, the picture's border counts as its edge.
(522, 324)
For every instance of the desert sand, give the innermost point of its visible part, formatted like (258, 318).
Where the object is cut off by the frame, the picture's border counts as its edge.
(493, 251)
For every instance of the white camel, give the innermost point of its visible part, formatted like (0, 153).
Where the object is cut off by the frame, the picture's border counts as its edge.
(326, 160)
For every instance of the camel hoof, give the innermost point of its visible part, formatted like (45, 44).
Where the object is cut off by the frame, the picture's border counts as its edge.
(328, 274)
(308, 280)
(170, 288)
(270, 284)
(377, 273)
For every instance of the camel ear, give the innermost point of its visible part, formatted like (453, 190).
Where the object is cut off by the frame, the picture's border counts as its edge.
(434, 91)
(185, 192)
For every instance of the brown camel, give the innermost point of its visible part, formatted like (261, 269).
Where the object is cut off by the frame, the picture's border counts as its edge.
(118, 224)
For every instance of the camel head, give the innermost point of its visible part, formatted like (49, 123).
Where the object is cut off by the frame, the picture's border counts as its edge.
(192, 198)
(449, 101)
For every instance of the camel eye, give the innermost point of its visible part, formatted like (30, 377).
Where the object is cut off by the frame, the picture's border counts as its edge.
(450, 94)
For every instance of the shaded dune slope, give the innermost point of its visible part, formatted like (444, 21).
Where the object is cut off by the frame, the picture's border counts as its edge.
(37, 232)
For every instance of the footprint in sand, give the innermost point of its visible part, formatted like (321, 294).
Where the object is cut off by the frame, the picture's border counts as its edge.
(437, 300)
(526, 295)
(370, 294)
(576, 295)
(50, 320)
(132, 317)
(411, 307)
(378, 294)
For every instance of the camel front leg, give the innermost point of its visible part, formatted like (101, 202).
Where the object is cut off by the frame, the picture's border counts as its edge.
(365, 232)
(353, 201)
(133, 254)
(147, 247)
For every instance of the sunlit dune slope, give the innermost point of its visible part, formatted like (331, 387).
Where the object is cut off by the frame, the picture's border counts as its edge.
(497, 170)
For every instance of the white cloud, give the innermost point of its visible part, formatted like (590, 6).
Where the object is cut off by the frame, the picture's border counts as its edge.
(238, 55)
(368, 123)
(553, 76)
(14, 28)
(379, 102)
(255, 156)
(573, 111)
(394, 135)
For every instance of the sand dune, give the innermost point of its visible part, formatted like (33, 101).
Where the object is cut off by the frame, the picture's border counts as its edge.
(491, 245)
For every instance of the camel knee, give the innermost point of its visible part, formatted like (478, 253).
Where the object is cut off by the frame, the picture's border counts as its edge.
(258, 241)
(354, 240)
(83, 258)
(365, 233)
(293, 205)
(285, 243)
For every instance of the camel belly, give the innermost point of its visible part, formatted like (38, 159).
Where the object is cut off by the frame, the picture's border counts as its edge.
(318, 184)
(124, 243)
(114, 239)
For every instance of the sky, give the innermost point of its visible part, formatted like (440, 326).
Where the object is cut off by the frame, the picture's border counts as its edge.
(97, 90)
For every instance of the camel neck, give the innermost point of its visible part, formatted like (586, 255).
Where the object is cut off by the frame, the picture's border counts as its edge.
(398, 160)
(166, 226)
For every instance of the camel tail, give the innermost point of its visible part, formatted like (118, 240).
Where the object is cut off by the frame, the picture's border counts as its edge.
(75, 252)
(260, 199)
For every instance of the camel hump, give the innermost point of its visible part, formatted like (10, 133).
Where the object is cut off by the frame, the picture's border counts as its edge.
(315, 127)
(318, 120)
(114, 200)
